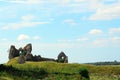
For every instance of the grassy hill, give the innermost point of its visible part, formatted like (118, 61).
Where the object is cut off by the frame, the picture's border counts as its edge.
(59, 71)
(46, 70)
(49, 66)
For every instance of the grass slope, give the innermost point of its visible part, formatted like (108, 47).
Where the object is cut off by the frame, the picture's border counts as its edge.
(55, 71)
(51, 67)
(96, 72)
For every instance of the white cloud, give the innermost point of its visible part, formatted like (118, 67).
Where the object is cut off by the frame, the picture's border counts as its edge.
(107, 12)
(76, 6)
(83, 39)
(64, 1)
(114, 30)
(79, 0)
(79, 6)
(4, 39)
(55, 46)
(36, 37)
(36, 1)
(64, 41)
(22, 25)
(28, 17)
(26, 22)
(70, 22)
(26, 1)
(23, 37)
(116, 39)
(101, 42)
(95, 32)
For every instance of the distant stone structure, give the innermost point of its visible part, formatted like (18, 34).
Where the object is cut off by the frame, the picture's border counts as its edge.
(28, 48)
(21, 59)
(29, 57)
(13, 52)
(62, 58)
(25, 54)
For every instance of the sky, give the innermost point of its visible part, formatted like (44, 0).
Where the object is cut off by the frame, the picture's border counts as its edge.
(85, 30)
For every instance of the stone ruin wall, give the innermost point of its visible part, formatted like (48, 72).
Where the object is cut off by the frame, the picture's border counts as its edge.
(25, 54)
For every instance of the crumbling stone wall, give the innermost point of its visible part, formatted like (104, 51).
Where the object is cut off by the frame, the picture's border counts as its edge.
(29, 57)
(62, 58)
(21, 59)
(37, 58)
(28, 48)
(13, 52)
(26, 55)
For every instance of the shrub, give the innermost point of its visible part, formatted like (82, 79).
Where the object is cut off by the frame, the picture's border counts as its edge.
(84, 73)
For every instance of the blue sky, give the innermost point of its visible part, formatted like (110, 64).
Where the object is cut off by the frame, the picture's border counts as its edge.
(86, 30)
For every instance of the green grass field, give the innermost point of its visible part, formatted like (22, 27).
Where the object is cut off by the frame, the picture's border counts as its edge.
(56, 71)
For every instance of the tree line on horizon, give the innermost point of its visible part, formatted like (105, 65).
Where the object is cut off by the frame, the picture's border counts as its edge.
(105, 63)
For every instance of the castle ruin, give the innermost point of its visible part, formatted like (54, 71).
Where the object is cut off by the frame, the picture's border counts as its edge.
(25, 54)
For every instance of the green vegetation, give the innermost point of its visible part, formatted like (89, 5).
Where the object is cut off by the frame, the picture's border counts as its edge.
(42, 70)
(105, 63)
(58, 71)
(84, 72)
